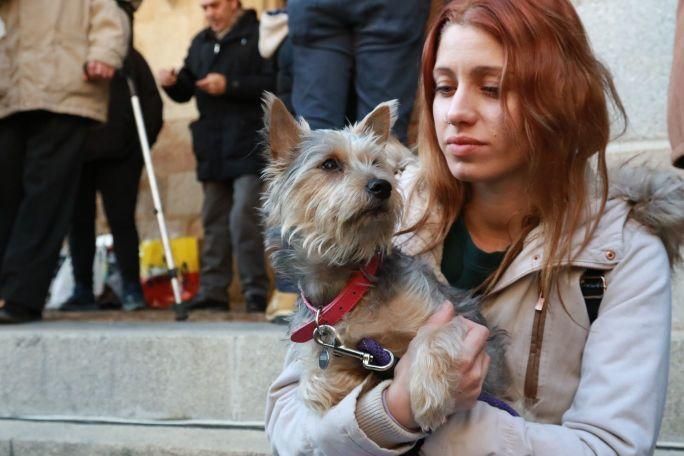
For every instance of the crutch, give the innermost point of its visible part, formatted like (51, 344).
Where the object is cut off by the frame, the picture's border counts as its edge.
(179, 307)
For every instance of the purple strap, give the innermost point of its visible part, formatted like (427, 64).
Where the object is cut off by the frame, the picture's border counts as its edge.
(496, 402)
(381, 357)
(368, 345)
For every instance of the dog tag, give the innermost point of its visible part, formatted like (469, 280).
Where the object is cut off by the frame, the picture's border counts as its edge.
(328, 336)
(324, 358)
(2, 28)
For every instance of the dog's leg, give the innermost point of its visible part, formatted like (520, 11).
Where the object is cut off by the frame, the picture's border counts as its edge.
(433, 381)
(322, 390)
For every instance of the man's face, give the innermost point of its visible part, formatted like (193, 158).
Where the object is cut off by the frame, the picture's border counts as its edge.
(219, 13)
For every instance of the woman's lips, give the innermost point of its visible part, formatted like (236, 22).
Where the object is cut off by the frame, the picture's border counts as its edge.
(463, 146)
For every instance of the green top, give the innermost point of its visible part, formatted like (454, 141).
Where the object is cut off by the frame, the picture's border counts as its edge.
(463, 264)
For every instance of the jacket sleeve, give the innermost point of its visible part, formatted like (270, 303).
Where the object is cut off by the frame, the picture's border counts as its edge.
(619, 403)
(109, 33)
(294, 429)
(184, 88)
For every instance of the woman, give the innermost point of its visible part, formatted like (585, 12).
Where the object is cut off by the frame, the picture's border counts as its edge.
(515, 107)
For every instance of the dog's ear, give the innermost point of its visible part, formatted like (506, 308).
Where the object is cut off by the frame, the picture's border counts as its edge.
(281, 130)
(379, 122)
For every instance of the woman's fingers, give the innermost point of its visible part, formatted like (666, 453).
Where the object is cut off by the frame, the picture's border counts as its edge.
(474, 342)
(470, 386)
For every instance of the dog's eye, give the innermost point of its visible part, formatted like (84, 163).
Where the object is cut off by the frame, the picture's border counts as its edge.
(376, 162)
(330, 165)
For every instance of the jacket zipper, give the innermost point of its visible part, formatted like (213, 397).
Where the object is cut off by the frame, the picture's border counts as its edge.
(532, 373)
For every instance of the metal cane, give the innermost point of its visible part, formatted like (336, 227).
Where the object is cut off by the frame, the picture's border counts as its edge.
(179, 308)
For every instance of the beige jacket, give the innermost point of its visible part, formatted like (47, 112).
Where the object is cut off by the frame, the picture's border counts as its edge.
(601, 387)
(44, 48)
(675, 108)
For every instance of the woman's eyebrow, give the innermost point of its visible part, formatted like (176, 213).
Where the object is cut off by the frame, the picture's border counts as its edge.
(478, 71)
(442, 70)
(485, 70)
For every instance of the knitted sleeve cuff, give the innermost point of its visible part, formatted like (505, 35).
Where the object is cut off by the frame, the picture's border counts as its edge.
(375, 421)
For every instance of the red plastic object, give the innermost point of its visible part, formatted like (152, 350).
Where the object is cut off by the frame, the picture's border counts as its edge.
(159, 295)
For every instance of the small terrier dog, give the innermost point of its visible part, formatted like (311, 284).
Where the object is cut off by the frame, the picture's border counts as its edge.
(330, 206)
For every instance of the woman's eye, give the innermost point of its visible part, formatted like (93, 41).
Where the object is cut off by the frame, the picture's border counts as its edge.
(491, 91)
(444, 90)
(330, 165)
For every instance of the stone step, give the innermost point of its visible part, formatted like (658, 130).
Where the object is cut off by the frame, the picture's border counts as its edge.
(20, 438)
(155, 371)
(215, 373)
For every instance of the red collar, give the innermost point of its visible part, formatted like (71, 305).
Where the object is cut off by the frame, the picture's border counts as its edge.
(349, 297)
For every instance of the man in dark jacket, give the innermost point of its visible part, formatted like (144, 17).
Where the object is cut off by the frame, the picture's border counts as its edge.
(226, 75)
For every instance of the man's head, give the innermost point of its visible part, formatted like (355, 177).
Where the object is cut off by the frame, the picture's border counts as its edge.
(220, 13)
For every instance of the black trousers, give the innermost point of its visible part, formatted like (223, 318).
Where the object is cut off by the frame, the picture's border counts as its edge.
(40, 164)
(117, 181)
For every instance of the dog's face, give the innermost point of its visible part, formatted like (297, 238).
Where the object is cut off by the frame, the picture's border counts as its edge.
(332, 193)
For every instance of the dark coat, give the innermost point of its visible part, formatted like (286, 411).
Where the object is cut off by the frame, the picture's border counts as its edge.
(226, 135)
(284, 58)
(118, 138)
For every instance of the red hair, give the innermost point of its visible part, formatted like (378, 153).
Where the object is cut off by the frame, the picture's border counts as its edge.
(563, 91)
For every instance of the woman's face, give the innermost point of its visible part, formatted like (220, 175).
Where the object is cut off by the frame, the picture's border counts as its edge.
(469, 118)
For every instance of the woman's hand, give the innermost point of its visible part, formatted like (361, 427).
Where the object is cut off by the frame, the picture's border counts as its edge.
(471, 367)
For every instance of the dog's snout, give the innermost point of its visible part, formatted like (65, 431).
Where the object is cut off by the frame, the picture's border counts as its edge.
(379, 188)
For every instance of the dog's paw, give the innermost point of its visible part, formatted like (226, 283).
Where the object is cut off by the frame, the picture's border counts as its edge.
(434, 381)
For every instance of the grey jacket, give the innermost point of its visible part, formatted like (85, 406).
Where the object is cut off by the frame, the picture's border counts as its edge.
(600, 387)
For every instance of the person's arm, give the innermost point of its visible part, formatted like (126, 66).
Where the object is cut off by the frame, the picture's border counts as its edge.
(294, 429)
(109, 33)
(619, 403)
(150, 100)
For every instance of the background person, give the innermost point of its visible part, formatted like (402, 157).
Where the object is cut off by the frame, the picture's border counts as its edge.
(225, 73)
(113, 165)
(361, 52)
(54, 82)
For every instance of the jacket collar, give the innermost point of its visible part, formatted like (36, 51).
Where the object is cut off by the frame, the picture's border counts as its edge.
(604, 250)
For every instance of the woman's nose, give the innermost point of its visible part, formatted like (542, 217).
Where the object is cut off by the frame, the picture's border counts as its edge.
(461, 108)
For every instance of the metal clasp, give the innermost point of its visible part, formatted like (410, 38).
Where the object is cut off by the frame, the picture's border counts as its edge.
(323, 332)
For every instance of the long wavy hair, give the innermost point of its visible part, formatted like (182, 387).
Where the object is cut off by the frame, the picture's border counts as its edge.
(564, 94)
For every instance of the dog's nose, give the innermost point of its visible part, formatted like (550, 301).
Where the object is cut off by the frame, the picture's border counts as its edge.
(379, 188)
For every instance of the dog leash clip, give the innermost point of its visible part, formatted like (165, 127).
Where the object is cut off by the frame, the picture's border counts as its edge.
(325, 333)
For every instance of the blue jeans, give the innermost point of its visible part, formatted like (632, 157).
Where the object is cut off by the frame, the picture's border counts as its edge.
(371, 46)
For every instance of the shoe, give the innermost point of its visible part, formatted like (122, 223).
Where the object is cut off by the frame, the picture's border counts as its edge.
(207, 303)
(255, 304)
(13, 318)
(77, 304)
(281, 307)
(82, 299)
(133, 301)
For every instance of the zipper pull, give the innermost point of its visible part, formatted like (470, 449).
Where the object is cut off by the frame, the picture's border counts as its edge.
(540, 303)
